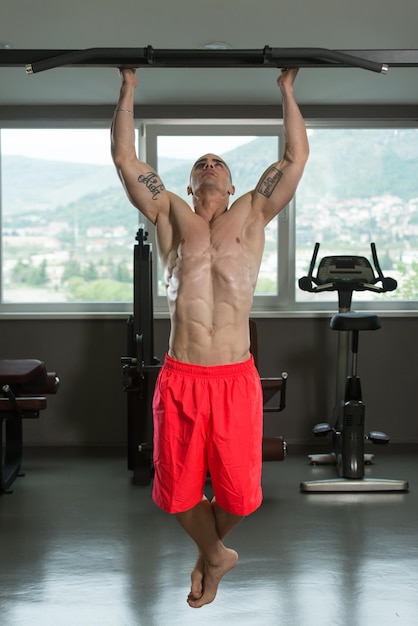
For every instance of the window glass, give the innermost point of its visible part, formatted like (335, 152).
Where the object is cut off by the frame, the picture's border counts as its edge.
(67, 226)
(360, 186)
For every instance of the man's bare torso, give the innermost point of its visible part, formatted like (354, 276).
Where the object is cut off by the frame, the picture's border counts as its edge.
(210, 272)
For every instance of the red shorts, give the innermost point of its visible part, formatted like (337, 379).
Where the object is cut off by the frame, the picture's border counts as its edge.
(208, 419)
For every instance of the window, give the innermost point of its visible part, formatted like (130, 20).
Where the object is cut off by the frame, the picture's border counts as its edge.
(360, 186)
(174, 151)
(68, 229)
(67, 226)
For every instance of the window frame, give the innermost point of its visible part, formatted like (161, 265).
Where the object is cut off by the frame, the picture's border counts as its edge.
(148, 145)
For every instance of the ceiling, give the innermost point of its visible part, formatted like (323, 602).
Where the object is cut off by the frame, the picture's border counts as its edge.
(188, 24)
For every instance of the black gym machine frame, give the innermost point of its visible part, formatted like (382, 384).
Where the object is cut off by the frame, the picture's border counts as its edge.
(346, 274)
(140, 366)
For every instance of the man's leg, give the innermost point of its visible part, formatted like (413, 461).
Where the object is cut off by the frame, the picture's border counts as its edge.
(207, 524)
(225, 522)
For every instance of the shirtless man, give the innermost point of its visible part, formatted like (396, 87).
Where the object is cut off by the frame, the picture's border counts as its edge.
(207, 401)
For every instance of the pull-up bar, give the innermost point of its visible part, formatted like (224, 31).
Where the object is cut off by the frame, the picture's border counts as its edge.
(206, 58)
(379, 61)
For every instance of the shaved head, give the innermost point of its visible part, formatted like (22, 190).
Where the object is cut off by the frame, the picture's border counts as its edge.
(205, 158)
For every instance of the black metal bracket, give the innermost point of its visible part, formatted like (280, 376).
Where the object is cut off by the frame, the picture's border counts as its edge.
(8, 393)
(379, 61)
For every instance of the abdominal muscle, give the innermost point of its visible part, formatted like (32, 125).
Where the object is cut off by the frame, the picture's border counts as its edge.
(210, 294)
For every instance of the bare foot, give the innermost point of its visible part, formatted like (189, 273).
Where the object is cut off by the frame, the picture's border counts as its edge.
(213, 575)
(198, 573)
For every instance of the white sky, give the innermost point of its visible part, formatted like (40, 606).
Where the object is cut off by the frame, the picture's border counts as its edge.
(78, 145)
(194, 147)
(93, 146)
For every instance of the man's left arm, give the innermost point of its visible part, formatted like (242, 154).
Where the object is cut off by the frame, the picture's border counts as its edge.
(278, 184)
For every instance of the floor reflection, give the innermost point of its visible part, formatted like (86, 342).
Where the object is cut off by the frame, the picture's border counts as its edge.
(81, 545)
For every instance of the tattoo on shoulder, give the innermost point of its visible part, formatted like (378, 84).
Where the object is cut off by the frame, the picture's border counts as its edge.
(152, 183)
(269, 182)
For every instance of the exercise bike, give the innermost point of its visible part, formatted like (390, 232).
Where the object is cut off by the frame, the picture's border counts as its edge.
(345, 275)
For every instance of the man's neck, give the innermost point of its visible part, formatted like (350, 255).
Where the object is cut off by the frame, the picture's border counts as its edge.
(210, 206)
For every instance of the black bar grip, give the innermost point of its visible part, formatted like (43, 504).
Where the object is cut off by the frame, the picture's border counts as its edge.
(305, 283)
(282, 56)
(313, 260)
(142, 56)
(388, 284)
(376, 260)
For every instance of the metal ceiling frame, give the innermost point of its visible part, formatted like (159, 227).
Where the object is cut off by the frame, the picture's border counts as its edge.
(35, 61)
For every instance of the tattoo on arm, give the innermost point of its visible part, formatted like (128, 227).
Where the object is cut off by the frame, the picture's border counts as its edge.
(269, 182)
(152, 183)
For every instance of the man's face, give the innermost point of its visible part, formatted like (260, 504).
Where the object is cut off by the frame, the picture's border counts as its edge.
(210, 171)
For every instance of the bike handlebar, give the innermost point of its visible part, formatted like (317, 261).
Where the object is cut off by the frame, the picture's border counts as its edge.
(348, 283)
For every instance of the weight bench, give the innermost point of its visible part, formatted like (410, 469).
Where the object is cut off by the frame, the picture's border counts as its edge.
(23, 385)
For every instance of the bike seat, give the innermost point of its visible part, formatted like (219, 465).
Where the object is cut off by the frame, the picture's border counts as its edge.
(354, 320)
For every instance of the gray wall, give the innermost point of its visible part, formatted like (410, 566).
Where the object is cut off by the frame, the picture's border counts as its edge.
(90, 407)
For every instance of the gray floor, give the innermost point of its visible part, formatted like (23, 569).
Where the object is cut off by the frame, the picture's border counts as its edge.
(82, 546)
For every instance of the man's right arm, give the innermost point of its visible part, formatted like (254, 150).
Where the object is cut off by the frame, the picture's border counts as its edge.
(279, 182)
(142, 184)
